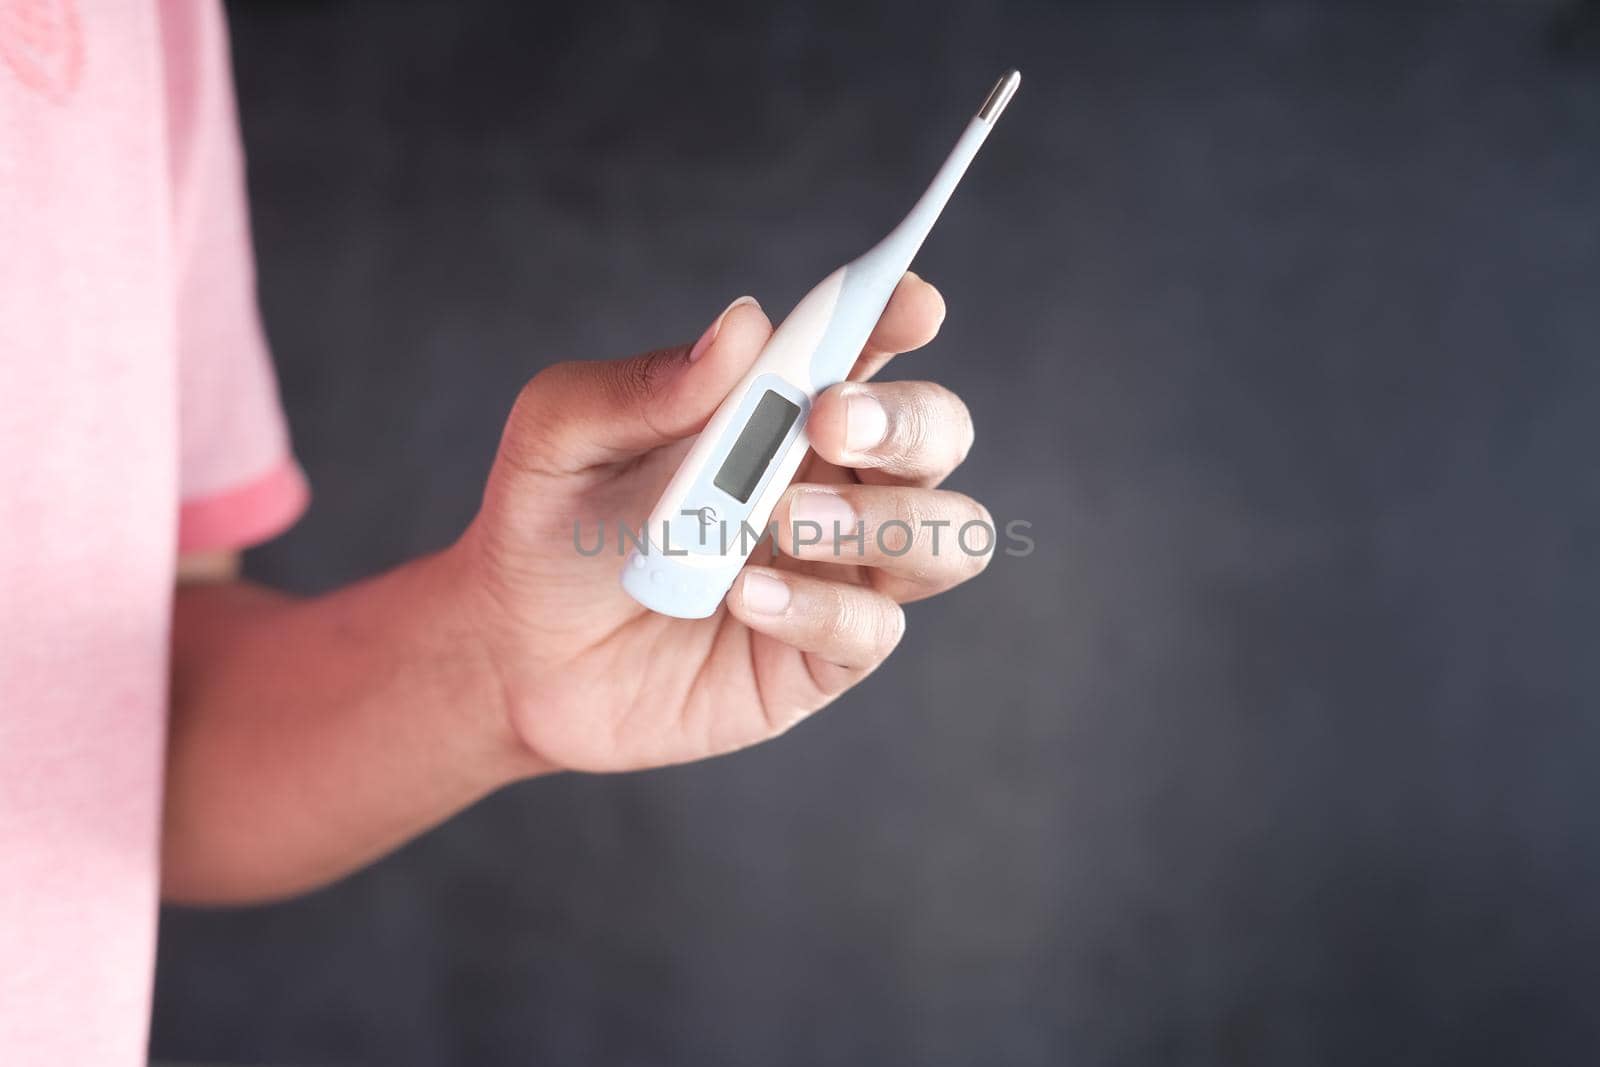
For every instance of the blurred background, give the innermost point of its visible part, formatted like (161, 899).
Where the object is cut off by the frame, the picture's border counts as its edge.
(1280, 324)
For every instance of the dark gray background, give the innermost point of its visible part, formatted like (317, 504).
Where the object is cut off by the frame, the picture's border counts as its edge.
(1278, 322)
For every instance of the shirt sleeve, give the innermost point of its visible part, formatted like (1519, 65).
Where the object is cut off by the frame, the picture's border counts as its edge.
(238, 482)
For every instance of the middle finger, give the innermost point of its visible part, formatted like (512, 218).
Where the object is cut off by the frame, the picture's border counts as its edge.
(912, 433)
(916, 542)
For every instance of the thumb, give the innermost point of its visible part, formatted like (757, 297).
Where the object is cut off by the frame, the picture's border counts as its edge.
(574, 416)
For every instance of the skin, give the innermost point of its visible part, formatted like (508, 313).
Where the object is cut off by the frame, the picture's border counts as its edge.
(310, 736)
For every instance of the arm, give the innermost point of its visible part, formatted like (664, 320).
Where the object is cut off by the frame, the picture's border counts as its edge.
(310, 736)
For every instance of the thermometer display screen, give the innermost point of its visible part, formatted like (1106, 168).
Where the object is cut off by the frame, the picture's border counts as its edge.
(758, 442)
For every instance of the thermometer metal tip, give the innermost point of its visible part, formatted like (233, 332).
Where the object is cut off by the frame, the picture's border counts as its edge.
(1000, 96)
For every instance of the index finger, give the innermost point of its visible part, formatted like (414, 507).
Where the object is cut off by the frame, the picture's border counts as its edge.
(910, 320)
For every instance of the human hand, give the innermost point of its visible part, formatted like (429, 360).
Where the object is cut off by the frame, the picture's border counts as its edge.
(593, 681)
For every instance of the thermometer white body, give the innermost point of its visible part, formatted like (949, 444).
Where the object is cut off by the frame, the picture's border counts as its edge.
(714, 510)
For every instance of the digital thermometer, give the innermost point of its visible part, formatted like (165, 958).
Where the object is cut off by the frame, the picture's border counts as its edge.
(716, 507)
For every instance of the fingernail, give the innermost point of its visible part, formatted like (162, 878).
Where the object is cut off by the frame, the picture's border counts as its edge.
(710, 335)
(865, 422)
(765, 595)
(828, 510)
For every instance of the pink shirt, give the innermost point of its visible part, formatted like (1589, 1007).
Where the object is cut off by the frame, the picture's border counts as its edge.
(138, 418)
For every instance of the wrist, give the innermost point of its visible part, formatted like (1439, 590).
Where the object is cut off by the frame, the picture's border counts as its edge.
(492, 616)
(462, 627)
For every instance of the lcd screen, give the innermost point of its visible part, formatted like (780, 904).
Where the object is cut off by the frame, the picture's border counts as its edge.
(769, 424)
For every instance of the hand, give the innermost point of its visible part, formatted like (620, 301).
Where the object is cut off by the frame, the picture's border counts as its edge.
(591, 680)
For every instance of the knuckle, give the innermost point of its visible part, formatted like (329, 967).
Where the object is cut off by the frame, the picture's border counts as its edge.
(532, 440)
(861, 627)
(918, 509)
(910, 427)
(635, 380)
(633, 383)
(933, 427)
(900, 528)
(839, 622)
(534, 389)
(911, 507)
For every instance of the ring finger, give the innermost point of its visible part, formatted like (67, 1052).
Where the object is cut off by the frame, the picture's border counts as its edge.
(916, 542)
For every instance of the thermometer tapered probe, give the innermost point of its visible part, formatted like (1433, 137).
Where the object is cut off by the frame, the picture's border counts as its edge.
(714, 510)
